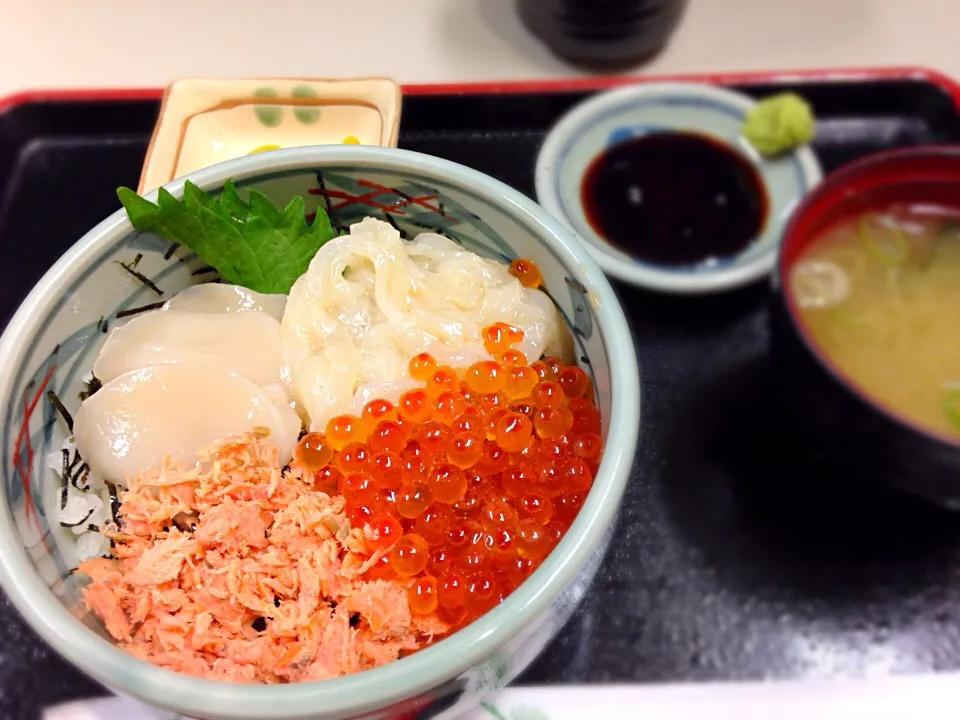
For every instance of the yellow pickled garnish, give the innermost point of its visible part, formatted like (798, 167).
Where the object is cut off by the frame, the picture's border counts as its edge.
(350, 140)
(263, 148)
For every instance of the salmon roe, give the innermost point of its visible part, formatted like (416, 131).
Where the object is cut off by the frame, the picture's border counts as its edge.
(527, 272)
(486, 376)
(422, 366)
(342, 430)
(376, 412)
(313, 451)
(498, 337)
(513, 358)
(466, 484)
(443, 380)
(423, 595)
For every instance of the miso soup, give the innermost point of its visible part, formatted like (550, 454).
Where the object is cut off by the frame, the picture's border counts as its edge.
(879, 293)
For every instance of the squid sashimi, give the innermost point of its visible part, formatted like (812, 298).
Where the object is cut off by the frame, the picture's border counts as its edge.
(369, 301)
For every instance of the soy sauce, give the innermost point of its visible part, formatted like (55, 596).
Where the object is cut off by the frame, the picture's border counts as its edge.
(674, 198)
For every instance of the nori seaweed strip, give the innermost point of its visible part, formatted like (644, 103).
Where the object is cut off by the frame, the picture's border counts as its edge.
(136, 260)
(205, 270)
(184, 526)
(142, 278)
(170, 251)
(71, 474)
(82, 474)
(69, 465)
(79, 522)
(114, 501)
(60, 408)
(141, 309)
(92, 387)
(64, 481)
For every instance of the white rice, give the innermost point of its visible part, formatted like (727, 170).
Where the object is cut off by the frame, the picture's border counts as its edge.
(85, 508)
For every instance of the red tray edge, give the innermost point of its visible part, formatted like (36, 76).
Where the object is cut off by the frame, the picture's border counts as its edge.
(948, 84)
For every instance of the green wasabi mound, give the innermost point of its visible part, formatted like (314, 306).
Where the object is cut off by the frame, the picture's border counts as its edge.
(779, 123)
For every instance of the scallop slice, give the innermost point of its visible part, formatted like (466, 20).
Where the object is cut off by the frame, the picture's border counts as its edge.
(245, 343)
(222, 298)
(135, 419)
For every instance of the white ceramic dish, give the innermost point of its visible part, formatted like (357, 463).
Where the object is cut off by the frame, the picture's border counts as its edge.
(54, 336)
(617, 115)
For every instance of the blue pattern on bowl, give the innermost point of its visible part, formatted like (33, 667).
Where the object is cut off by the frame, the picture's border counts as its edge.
(52, 342)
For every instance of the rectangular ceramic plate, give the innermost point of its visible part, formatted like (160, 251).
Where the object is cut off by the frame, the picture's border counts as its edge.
(206, 121)
(738, 555)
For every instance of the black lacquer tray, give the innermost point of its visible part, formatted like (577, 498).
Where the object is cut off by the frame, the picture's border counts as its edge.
(740, 554)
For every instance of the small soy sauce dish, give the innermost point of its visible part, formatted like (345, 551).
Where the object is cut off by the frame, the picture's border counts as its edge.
(658, 182)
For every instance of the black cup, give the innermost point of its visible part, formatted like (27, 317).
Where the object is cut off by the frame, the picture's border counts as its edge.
(602, 33)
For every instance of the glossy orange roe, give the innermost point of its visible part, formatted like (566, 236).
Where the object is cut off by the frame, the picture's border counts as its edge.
(376, 412)
(466, 484)
(498, 337)
(513, 358)
(344, 429)
(313, 451)
(422, 366)
(527, 272)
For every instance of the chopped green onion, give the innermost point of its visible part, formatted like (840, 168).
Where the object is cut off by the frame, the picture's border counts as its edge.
(850, 325)
(851, 259)
(951, 405)
(890, 254)
(950, 226)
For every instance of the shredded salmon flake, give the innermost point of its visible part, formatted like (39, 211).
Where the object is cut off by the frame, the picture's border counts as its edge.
(235, 570)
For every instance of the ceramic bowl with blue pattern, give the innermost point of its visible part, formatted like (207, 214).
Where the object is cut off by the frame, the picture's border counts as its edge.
(610, 118)
(52, 340)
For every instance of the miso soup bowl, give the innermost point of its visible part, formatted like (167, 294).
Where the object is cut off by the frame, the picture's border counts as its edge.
(870, 440)
(53, 338)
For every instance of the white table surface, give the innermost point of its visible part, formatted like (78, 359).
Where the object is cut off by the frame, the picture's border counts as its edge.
(146, 43)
